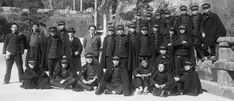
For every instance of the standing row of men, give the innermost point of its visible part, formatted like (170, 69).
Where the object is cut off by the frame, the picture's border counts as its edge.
(161, 42)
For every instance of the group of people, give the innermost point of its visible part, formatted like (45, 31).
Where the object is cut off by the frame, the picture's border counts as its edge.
(156, 55)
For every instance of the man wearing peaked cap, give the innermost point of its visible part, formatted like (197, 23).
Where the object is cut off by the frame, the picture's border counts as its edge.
(213, 28)
(120, 27)
(168, 20)
(183, 8)
(72, 49)
(194, 8)
(157, 20)
(62, 31)
(108, 48)
(184, 19)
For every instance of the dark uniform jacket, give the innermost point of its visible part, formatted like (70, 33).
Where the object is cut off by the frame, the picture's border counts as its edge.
(63, 33)
(58, 53)
(37, 51)
(213, 28)
(162, 78)
(14, 44)
(89, 71)
(69, 48)
(107, 51)
(167, 23)
(186, 20)
(145, 46)
(196, 28)
(192, 84)
(183, 49)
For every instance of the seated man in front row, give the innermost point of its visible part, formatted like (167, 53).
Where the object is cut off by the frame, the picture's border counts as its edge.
(89, 73)
(114, 80)
(65, 77)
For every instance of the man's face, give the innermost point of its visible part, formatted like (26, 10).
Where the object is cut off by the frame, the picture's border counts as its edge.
(70, 34)
(144, 32)
(89, 60)
(92, 30)
(14, 28)
(184, 12)
(158, 17)
(60, 27)
(161, 67)
(144, 64)
(115, 62)
(194, 12)
(171, 33)
(167, 15)
(132, 29)
(163, 52)
(138, 17)
(206, 10)
(148, 18)
(120, 32)
(52, 33)
(187, 67)
(64, 65)
(31, 66)
(182, 31)
(35, 28)
(110, 32)
(155, 29)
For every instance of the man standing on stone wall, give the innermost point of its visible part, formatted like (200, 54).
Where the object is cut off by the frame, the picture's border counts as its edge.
(212, 29)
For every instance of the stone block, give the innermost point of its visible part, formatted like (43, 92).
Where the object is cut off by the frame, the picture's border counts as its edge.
(226, 54)
(225, 78)
(228, 66)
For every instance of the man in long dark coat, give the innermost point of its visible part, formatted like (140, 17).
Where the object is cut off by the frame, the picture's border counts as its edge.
(184, 19)
(36, 47)
(72, 49)
(108, 48)
(62, 31)
(135, 45)
(212, 29)
(168, 21)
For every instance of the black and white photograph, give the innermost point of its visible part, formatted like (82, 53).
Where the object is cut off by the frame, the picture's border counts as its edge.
(116, 50)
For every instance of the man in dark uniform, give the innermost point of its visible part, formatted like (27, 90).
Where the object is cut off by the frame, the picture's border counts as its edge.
(36, 45)
(62, 31)
(184, 19)
(169, 40)
(168, 21)
(183, 50)
(72, 49)
(213, 28)
(196, 32)
(157, 20)
(138, 21)
(146, 22)
(53, 51)
(122, 50)
(108, 48)
(134, 38)
(13, 49)
(156, 39)
(145, 44)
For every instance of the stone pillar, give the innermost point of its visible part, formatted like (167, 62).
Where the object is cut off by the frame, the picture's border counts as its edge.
(225, 63)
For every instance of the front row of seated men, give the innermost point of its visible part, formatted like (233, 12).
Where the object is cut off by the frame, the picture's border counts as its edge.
(116, 79)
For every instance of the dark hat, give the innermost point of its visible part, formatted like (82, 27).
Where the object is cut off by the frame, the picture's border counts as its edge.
(144, 28)
(89, 55)
(172, 28)
(182, 27)
(183, 8)
(138, 14)
(187, 62)
(206, 5)
(162, 48)
(120, 27)
(71, 29)
(195, 7)
(132, 26)
(115, 58)
(111, 28)
(32, 62)
(156, 26)
(64, 60)
(157, 14)
(61, 23)
(167, 12)
(52, 29)
(149, 14)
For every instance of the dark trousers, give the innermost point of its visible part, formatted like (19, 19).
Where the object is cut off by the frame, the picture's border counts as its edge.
(199, 51)
(9, 63)
(179, 64)
(53, 65)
